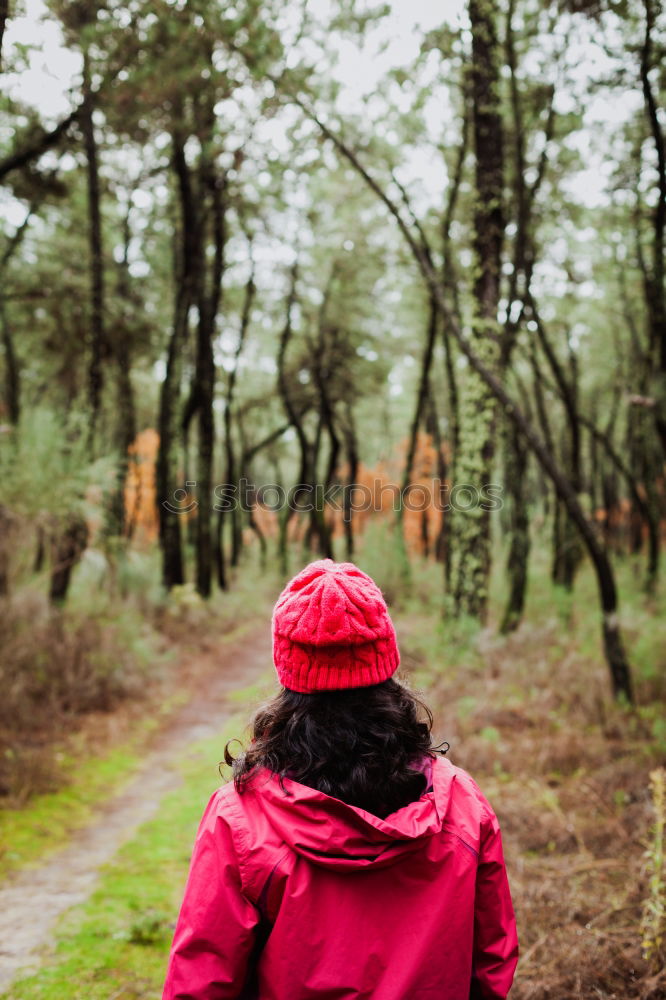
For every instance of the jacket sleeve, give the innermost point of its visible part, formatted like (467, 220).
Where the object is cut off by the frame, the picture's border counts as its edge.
(495, 953)
(215, 932)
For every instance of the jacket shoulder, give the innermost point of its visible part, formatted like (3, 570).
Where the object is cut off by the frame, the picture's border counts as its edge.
(256, 845)
(222, 805)
(467, 809)
(223, 822)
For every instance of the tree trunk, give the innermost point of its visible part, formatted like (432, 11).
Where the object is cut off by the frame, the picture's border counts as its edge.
(219, 552)
(69, 548)
(169, 423)
(524, 195)
(450, 283)
(125, 436)
(211, 211)
(323, 360)
(432, 426)
(567, 548)
(206, 387)
(12, 378)
(474, 461)
(654, 279)
(97, 344)
(8, 524)
(645, 455)
(12, 370)
(119, 519)
(351, 447)
(305, 487)
(519, 548)
(232, 476)
(421, 401)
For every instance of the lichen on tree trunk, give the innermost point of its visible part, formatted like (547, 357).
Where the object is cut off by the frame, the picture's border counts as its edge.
(471, 557)
(478, 406)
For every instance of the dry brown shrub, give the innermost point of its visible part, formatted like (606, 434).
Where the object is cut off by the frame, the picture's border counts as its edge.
(54, 669)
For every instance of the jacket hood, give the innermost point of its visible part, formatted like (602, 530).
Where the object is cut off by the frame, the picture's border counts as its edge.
(330, 833)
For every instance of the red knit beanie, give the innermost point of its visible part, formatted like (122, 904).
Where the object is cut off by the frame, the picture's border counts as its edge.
(332, 630)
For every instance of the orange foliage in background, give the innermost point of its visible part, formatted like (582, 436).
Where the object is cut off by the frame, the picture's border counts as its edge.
(422, 527)
(623, 524)
(421, 518)
(141, 515)
(266, 521)
(378, 488)
(380, 482)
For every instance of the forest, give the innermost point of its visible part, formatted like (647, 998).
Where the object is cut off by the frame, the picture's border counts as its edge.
(371, 281)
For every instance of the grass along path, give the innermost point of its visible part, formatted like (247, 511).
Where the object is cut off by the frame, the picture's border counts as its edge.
(115, 945)
(34, 899)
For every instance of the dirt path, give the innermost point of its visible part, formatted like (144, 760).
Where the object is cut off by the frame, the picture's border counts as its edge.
(32, 901)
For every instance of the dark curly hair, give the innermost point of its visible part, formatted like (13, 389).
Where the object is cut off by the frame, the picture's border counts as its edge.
(360, 745)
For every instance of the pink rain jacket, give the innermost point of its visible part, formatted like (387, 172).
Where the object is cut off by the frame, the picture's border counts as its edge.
(294, 895)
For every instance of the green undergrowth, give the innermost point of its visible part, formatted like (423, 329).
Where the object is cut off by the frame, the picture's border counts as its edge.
(569, 622)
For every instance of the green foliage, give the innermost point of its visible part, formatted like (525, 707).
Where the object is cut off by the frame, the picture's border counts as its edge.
(44, 465)
(150, 928)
